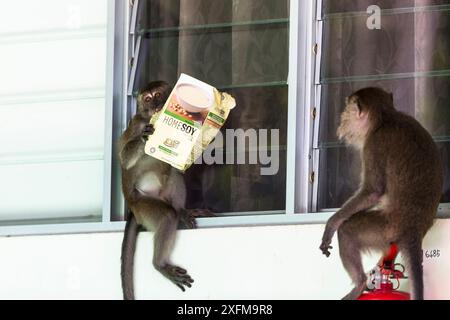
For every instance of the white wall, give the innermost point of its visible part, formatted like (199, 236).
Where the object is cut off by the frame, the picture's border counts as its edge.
(278, 262)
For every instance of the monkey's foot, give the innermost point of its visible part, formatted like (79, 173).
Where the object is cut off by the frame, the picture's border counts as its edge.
(199, 213)
(177, 275)
(149, 129)
(192, 214)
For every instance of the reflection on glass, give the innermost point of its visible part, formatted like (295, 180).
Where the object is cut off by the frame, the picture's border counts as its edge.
(223, 57)
(339, 175)
(346, 6)
(407, 43)
(156, 14)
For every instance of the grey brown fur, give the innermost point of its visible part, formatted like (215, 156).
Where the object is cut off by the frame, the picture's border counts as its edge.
(401, 184)
(155, 193)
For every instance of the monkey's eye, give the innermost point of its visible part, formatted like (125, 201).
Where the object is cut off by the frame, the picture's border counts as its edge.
(148, 98)
(157, 95)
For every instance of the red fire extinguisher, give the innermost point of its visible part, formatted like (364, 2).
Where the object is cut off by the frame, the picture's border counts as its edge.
(379, 282)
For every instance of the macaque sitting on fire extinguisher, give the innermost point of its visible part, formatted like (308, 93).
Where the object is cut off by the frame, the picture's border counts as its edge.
(401, 184)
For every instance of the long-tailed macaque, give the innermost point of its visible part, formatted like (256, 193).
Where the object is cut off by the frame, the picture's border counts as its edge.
(155, 193)
(401, 184)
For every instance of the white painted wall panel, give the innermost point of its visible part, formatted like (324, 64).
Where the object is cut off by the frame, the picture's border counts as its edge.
(279, 262)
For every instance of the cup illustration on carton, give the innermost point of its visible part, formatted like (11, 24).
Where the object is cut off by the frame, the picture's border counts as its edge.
(194, 98)
(190, 119)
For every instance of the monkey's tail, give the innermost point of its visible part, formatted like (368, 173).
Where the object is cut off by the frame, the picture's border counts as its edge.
(128, 249)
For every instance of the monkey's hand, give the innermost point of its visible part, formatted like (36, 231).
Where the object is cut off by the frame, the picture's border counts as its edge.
(149, 129)
(326, 240)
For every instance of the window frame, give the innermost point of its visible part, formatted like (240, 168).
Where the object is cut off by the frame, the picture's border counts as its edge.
(305, 36)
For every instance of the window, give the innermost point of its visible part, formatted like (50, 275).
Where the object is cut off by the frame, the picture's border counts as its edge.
(409, 56)
(53, 57)
(260, 51)
(241, 47)
(70, 80)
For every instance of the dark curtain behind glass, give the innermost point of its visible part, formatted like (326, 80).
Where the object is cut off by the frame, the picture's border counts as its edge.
(248, 60)
(409, 56)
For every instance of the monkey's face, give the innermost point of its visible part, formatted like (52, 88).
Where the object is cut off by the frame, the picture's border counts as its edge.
(354, 123)
(151, 101)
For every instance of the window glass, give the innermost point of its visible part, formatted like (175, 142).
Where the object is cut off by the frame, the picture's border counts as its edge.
(240, 47)
(409, 56)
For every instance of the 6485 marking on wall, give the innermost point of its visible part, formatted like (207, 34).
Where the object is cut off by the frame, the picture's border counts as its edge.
(432, 254)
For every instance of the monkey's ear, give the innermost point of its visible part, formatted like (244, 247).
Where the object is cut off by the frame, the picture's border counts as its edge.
(362, 113)
(358, 104)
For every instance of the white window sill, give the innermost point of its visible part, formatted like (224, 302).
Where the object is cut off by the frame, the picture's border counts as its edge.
(279, 219)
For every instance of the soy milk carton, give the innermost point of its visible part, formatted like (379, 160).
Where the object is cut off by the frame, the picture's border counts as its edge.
(188, 122)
